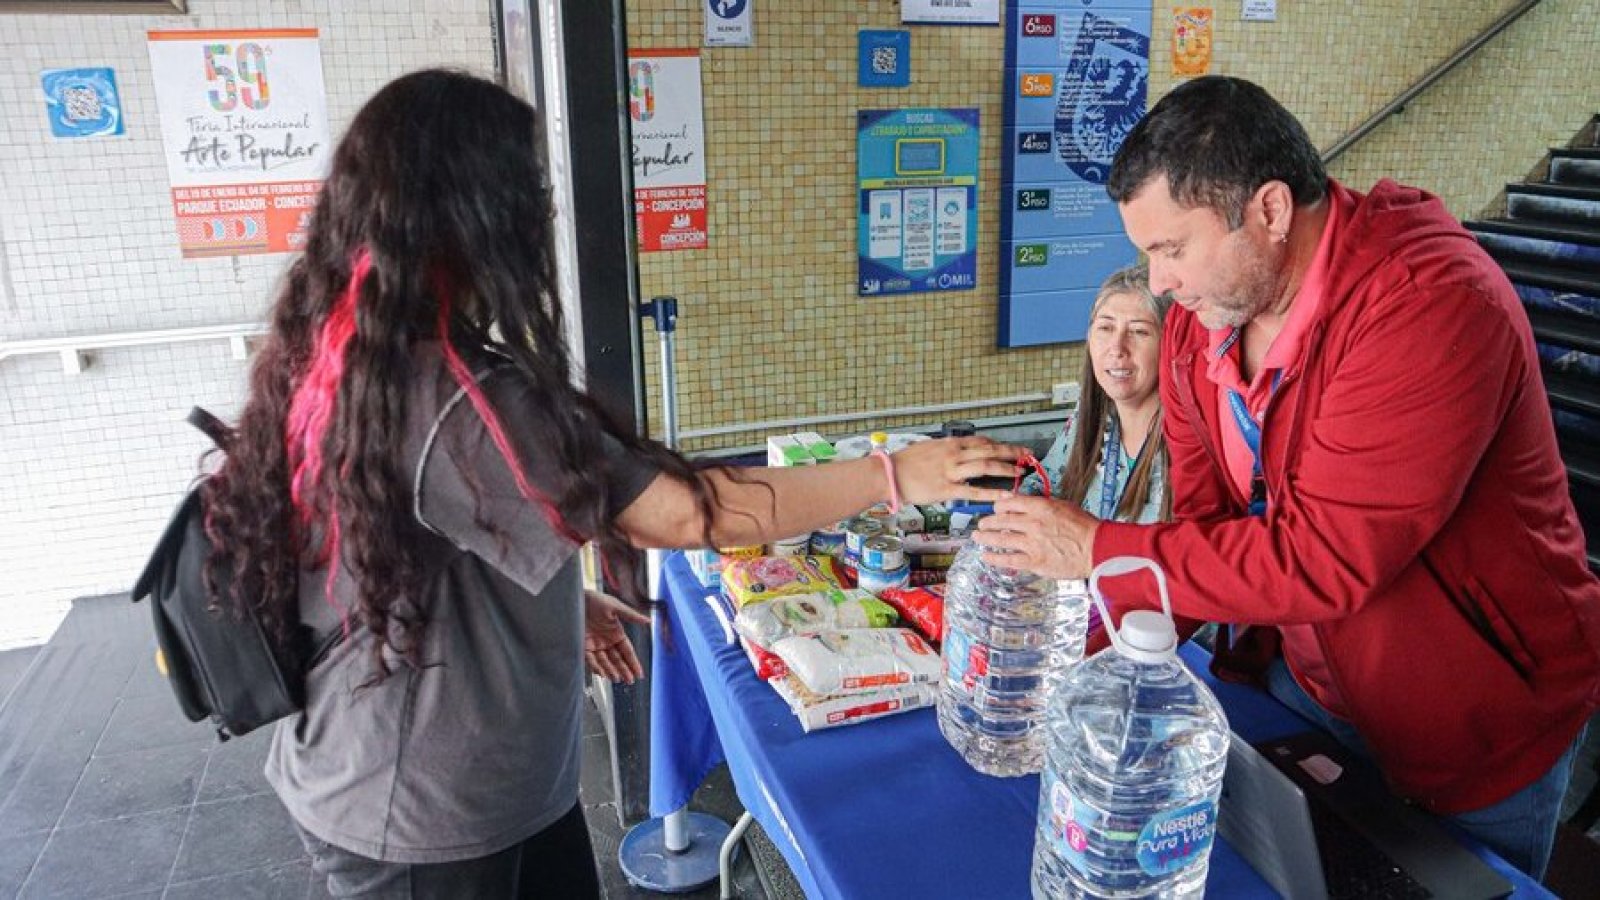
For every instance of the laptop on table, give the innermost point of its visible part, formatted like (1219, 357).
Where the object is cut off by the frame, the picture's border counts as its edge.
(1318, 823)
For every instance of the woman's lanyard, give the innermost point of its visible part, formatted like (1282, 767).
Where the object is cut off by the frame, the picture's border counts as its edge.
(1111, 459)
(1251, 432)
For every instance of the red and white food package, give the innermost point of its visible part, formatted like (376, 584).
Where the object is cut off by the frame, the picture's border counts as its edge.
(859, 659)
(923, 607)
(828, 711)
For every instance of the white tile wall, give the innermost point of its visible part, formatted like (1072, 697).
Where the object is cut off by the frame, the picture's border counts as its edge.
(91, 464)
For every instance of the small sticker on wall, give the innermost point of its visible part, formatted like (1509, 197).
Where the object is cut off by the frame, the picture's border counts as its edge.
(1191, 40)
(82, 102)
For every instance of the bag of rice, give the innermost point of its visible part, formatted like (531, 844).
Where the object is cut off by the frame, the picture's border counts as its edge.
(823, 711)
(859, 659)
(770, 621)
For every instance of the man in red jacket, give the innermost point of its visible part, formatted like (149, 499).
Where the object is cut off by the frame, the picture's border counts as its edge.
(1362, 457)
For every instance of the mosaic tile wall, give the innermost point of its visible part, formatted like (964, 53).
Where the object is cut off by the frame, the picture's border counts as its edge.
(91, 464)
(771, 325)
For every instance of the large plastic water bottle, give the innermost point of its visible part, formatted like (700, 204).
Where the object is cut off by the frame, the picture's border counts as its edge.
(1009, 638)
(1137, 749)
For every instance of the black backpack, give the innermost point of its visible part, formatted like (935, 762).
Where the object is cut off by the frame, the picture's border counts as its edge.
(222, 666)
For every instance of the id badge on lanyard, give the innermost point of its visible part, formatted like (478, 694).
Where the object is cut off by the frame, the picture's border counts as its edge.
(1111, 466)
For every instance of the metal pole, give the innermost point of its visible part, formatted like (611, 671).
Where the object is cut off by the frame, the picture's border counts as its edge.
(682, 850)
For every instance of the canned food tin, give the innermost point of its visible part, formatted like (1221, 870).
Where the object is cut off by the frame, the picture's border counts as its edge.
(884, 552)
(856, 532)
(827, 543)
(795, 546)
(878, 580)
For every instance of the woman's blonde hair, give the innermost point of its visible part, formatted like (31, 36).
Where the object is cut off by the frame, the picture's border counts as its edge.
(1083, 457)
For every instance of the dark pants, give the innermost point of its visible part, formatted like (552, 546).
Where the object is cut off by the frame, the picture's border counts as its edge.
(556, 863)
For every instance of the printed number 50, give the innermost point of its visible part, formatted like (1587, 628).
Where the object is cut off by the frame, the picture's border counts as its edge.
(243, 74)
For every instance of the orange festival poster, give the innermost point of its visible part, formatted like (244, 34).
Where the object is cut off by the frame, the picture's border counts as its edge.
(1191, 40)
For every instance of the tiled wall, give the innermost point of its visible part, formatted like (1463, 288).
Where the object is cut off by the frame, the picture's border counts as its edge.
(91, 464)
(771, 325)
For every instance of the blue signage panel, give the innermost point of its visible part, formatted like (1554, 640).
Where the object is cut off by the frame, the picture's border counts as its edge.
(82, 102)
(883, 58)
(1076, 84)
(918, 210)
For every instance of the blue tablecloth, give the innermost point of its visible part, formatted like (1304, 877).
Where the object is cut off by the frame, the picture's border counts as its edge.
(886, 808)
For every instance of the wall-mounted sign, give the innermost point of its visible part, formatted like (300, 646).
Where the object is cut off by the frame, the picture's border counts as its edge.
(82, 102)
(1076, 82)
(1259, 10)
(918, 210)
(883, 58)
(950, 12)
(669, 160)
(1191, 40)
(728, 23)
(244, 121)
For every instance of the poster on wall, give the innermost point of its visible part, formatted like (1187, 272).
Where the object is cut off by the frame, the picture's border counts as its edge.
(82, 102)
(950, 12)
(1076, 83)
(728, 23)
(244, 123)
(917, 173)
(669, 167)
(1191, 40)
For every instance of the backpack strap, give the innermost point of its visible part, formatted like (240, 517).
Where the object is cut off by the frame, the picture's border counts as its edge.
(211, 426)
(433, 437)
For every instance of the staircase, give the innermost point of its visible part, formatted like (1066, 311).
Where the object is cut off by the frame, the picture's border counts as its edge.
(1548, 242)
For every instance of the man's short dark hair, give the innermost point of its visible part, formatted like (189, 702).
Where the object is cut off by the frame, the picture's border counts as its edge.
(1218, 139)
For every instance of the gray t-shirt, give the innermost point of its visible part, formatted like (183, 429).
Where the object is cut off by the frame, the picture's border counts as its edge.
(479, 749)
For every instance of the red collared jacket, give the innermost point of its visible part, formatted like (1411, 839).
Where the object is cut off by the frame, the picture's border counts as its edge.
(1418, 513)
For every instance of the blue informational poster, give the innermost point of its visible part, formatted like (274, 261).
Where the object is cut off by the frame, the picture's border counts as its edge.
(917, 171)
(1077, 74)
(82, 102)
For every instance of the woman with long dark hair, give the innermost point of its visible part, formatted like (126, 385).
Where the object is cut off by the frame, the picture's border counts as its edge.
(414, 470)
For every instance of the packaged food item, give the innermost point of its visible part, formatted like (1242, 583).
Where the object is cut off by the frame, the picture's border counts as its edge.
(921, 607)
(884, 553)
(768, 622)
(766, 663)
(817, 448)
(783, 450)
(860, 659)
(935, 518)
(879, 580)
(857, 531)
(828, 542)
(794, 546)
(827, 711)
(769, 577)
(834, 570)
(707, 566)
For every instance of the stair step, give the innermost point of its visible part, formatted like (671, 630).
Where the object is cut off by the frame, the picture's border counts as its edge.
(1554, 203)
(1575, 166)
(1565, 330)
(1583, 462)
(1569, 279)
(1573, 393)
(1564, 243)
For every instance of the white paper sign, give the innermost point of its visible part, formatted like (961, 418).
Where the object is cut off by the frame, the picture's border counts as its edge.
(1261, 10)
(729, 23)
(951, 12)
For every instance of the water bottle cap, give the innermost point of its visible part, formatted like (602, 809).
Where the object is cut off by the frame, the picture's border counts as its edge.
(1149, 632)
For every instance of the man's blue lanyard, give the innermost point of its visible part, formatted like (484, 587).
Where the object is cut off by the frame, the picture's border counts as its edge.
(1251, 432)
(1111, 458)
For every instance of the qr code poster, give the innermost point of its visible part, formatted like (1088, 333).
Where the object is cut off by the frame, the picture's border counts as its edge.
(82, 102)
(885, 59)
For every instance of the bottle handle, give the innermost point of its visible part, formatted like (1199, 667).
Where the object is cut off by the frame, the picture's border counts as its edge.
(1115, 567)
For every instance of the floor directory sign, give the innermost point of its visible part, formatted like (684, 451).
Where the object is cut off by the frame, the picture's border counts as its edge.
(918, 211)
(1076, 80)
(244, 123)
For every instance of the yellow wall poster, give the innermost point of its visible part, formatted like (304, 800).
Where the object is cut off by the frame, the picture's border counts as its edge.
(1191, 40)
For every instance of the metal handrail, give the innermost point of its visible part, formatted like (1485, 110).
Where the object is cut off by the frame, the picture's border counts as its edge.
(71, 349)
(1398, 104)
